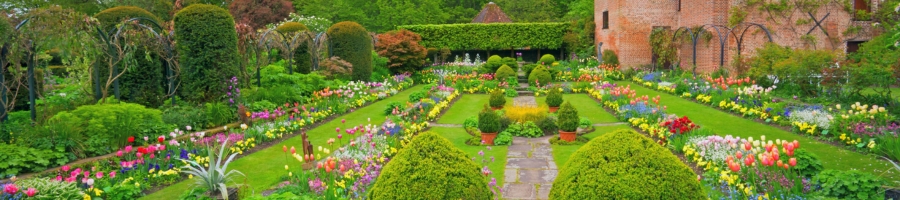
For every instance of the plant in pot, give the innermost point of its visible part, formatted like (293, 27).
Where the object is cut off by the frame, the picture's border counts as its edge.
(554, 99)
(489, 125)
(498, 99)
(568, 122)
(215, 175)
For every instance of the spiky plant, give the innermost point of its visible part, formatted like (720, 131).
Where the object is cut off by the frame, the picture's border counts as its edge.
(214, 176)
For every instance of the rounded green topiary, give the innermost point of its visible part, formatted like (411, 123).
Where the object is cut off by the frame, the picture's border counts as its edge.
(488, 120)
(492, 64)
(539, 76)
(302, 56)
(503, 72)
(625, 165)
(554, 97)
(430, 167)
(351, 42)
(109, 18)
(511, 62)
(207, 44)
(498, 98)
(290, 27)
(568, 118)
(547, 59)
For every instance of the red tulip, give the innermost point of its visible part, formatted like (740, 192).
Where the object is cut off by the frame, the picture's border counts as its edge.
(739, 155)
(796, 144)
(792, 162)
(747, 146)
(131, 139)
(161, 139)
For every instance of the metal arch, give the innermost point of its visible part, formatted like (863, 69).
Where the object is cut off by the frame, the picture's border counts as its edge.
(317, 43)
(694, 37)
(722, 41)
(740, 41)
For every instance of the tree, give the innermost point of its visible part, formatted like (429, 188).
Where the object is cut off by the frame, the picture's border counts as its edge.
(340, 10)
(207, 47)
(351, 42)
(402, 49)
(407, 12)
(531, 10)
(258, 13)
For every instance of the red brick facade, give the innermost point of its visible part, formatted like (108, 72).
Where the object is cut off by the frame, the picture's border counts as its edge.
(630, 23)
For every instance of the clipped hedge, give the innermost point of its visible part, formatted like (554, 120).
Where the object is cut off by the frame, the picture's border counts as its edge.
(504, 72)
(493, 36)
(352, 43)
(430, 167)
(302, 56)
(540, 75)
(547, 59)
(625, 165)
(207, 44)
(109, 18)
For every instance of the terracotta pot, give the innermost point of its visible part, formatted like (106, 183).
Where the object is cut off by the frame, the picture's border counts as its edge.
(488, 138)
(497, 108)
(568, 136)
(554, 109)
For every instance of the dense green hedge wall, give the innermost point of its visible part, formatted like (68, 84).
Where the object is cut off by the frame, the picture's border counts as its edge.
(494, 36)
(302, 56)
(625, 165)
(430, 167)
(352, 43)
(109, 18)
(207, 44)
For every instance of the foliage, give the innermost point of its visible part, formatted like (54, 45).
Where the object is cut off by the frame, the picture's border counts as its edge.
(504, 138)
(336, 68)
(793, 68)
(493, 36)
(554, 97)
(610, 57)
(808, 164)
(380, 69)
(568, 118)
(218, 113)
(215, 174)
(290, 27)
(488, 120)
(258, 13)
(547, 59)
(529, 67)
(302, 57)
(498, 98)
(315, 24)
(611, 165)
(492, 64)
(18, 159)
(402, 49)
(850, 184)
(440, 171)
(532, 10)
(182, 116)
(351, 42)
(505, 72)
(540, 76)
(511, 62)
(526, 129)
(522, 114)
(108, 125)
(111, 17)
(663, 46)
(207, 47)
(51, 189)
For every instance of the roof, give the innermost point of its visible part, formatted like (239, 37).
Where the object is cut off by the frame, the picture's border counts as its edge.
(491, 13)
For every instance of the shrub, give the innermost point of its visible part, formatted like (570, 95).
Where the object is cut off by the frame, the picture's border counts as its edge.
(488, 120)
(471, 122)
(554, 98)
(402, 48)
(207, 48)
(504, 138)
(547, 59)
(258, 13)
(351, 42)
(430, 167)
(850, 184)
(109, 125)
(610, 57)
(498, 98)
(612, 165)
(218, 113)
(302, 57)
(111, 17)
(51, 189)
(492, 64)
(511, 62)
(522, 114)
(808, 164)
(143, 81)
(18, 159)
(337, 68)
(380, 69)
(504, 72)
(568, 118)
(548, 124)
(526, 129)
(539, 76)
(182, 116)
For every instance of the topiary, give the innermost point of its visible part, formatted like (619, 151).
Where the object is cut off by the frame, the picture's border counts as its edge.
(430, 167)
(488, 120)
(351, 42)
(511, 62)
(539, 76)
(554, 98)
(144, 81)
(610, 57)
(568, 118)
(529, 67)
(291, 27)
(808, 164)
(207, 47)
(302, 56)
(498, 98)
(547, 59)
(111, 17)
(612, 165)
(504, 72)
(850, 184)
(492, 64)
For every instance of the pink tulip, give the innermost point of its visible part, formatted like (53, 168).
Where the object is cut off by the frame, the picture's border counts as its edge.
(128, 149)
(65, 168)
(161, 147)
(58, 178)
(284, 148)
(119, 153)
(10, 189)
(99, 175)
(796, 144)
(293, 151)
(112, 174)
(792, 162)
(337, 130)
(30, 192)
(139, 154)
(86, 174)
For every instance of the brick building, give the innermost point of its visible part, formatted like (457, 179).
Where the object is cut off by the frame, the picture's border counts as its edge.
(624, 26)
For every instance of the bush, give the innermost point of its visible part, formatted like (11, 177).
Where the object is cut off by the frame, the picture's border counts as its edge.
(547, 59)
(511, 62)
(430, 167)
(612, 165)
(18, 159)
(207, 48)
(143, 82)
(471, 122)
(380, 69)
(610, 57)
(504, 72)
(522, 114)
(850, 184)
(808, 164)
(351, 42)
(111, 17)
(568, 118)
(51, 189)
(182, 116)
(492, 64)
(403, 49)
(554, 98)
(258, 13)
(539, 76)
(498, 98)
(526, 129)
(218, 113)
(109, 125)
(529, 67)
(493, 36)
(504, 138)
(302, 60)
(488, 121)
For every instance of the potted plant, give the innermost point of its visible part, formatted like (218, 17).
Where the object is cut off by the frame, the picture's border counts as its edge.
(568, 122)
(498, 99)
(213, 177)
(489, 125)
(554, 99)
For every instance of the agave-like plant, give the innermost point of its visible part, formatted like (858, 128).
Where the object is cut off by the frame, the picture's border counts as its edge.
(213, 177)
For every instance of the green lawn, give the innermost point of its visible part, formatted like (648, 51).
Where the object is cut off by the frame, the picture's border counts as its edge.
(724, 123)
(895, 91)
(265, 168)
(468, 105)
(459, 136)
(586, 106)
(561, 153)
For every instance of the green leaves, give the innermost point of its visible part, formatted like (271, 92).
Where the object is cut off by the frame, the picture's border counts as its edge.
(850, 184)
(19, 159)
(494, 36)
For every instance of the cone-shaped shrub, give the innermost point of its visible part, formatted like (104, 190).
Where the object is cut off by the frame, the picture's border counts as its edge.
(554, 98)
(568, 118)
(498, 98)
(207, 47)
(351, 42)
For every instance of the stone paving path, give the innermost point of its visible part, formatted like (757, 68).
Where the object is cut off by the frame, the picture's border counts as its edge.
(523, 101)
(530, 169)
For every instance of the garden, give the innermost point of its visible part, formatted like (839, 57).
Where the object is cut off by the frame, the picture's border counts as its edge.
(216, 100)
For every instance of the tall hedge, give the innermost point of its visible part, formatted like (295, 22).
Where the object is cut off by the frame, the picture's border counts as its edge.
(430, 167)
(144, 81)
(352, 43)
(625, 165)
(207, 44)
(109, 18)
(302, 56)
(493, 36)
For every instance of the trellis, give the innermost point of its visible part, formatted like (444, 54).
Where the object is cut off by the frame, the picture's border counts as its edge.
(723, 40)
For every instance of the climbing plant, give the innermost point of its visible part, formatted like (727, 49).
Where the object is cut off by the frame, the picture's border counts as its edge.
(663, 45)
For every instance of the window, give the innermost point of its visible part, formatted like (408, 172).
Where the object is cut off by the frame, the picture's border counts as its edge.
(605, 19)
(853, 46)
(678, 8)
(861, 9)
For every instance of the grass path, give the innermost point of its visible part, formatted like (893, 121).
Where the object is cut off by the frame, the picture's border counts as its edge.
(468, 105)
(265, 168)
(561, 153)
(724, 123)
(458, 137)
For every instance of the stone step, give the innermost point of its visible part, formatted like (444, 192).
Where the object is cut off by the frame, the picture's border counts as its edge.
(523, 93)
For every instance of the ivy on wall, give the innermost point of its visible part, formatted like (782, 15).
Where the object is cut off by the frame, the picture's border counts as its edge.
(496, 36)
